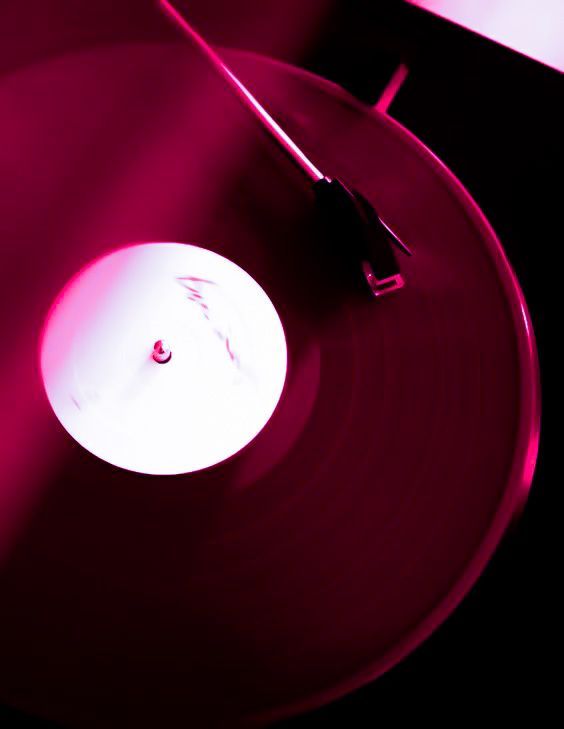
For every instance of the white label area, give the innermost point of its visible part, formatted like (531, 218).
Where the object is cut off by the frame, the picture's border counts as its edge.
(219, 388)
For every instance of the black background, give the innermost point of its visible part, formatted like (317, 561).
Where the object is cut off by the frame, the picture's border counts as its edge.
(494, 117)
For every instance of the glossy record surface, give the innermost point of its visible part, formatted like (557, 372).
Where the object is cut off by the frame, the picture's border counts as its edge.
(404, 441)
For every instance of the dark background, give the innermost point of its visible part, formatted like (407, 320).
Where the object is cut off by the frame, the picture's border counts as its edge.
(494, 117)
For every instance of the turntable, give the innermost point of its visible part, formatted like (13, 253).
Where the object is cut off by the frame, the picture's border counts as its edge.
(272, 387)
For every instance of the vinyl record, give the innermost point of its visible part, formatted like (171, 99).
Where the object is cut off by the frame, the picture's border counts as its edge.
(402, 445)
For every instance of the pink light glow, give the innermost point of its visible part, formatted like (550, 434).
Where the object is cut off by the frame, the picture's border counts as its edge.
(535, 29)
